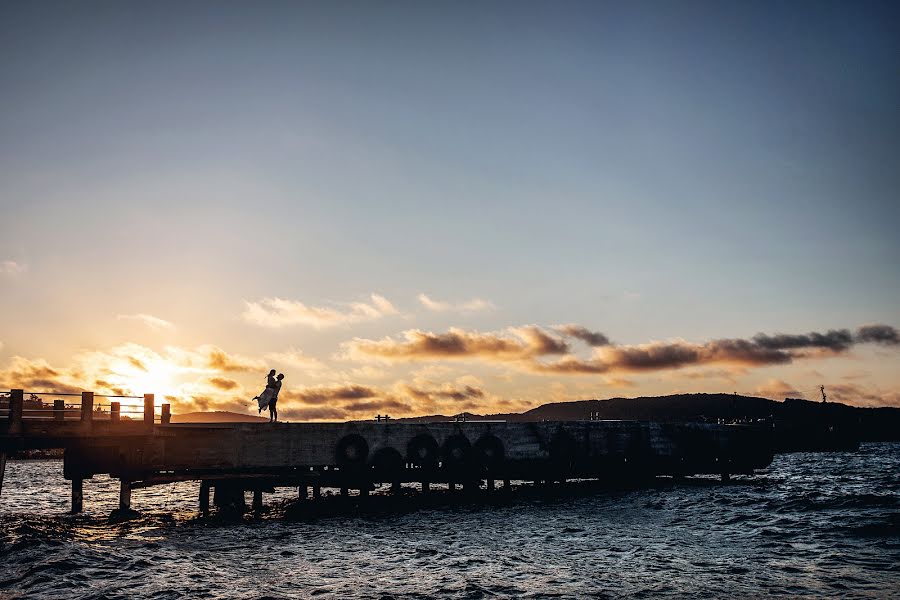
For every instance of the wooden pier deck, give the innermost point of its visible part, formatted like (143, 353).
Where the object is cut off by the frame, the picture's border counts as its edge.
(238, 457)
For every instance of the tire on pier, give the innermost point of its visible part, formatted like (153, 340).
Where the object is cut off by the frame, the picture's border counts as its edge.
(563, 451)
(387, 465)
(351, 451)
(489, 452)
(457, 453)
(423, 451)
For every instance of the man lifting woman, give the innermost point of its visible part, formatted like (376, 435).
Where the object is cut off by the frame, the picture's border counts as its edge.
(269, 397)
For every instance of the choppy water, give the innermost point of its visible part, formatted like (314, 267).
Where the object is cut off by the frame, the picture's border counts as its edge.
(813, 525)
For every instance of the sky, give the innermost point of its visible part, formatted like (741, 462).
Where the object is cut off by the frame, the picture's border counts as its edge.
(419, 208)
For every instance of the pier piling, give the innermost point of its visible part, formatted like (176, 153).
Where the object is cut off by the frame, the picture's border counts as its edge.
(124, 495)
(204, 497)
(77, 496)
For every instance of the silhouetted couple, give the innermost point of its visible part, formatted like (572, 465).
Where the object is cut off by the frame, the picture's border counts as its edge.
(269, 397)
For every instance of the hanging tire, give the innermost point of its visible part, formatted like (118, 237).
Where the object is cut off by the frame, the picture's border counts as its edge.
(457, 452)
(563, 450)
(423, 451)
(387, 464)
(489, 451)
(351, 451)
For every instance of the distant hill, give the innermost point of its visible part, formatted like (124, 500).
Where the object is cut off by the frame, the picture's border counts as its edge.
(219, 416)
(794, 418)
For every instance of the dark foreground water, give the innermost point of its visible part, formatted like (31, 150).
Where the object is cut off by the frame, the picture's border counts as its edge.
(812, 525)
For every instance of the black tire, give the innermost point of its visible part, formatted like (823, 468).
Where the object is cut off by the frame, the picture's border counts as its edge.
(423, 451)
(563, 450)
(351, 451)
(457, 452)
(388, 465)
(489, 451)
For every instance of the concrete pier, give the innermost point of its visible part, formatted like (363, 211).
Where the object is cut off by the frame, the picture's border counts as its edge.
(232, 458)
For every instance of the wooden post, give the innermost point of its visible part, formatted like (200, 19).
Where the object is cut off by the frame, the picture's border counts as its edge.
(148, 410)
(87, 408)
(77, 496)
(166, 415)
(506, 484)
(59, 410)
(16, 405)
(257, 501)
(345, 492)
(115, 411)
(2, 469)
(317, 492)
(364, 491)
(303, 492)
(426, 487)
(204, 497)
(124, 495)
(490, 484)
(396, 487)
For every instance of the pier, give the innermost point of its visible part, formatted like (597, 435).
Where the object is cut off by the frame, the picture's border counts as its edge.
(145, 449)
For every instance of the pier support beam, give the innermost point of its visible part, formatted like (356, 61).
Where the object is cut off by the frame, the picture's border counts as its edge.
(490, 484)
(257, 501)
(426, 487)
(124, 495)
(204, 498)
(317, 492)
(303, 493)
(77, 496)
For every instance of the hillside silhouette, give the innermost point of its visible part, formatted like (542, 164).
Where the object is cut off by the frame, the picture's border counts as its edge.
(798, 424)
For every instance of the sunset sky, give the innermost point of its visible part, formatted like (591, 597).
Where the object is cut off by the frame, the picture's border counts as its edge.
(417, 209)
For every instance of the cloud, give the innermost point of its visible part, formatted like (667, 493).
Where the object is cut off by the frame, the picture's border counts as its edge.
(447, 392)
(278, 312)
(218, 359)
(474, 305)
(150, 321)
(526, 348)
(837, 340)
(878, 334)
(591, 338)
(11, 268)
(330, 394)
(778, 389)
(223, 383)
(859, 395)
(296, 359)
(416, 345)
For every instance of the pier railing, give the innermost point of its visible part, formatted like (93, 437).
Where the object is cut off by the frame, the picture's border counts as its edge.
(86, 407)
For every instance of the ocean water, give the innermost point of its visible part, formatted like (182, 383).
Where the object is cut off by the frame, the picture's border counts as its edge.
(811, 525)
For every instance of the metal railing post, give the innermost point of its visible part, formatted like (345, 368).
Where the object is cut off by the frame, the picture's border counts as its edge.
(115, 411)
